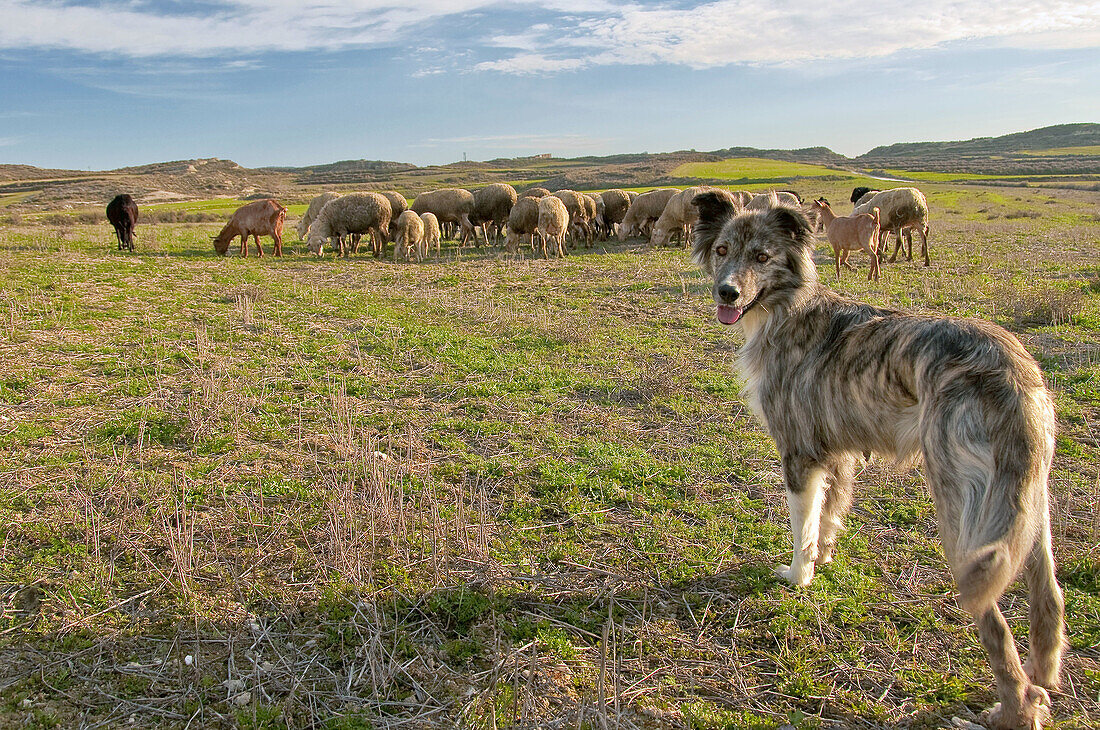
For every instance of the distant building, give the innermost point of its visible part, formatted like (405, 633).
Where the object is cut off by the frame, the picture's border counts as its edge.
(543, 156)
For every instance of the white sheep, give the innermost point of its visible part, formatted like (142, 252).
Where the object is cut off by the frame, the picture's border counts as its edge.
(553, 224)
(902, 210)
(355, 213)
(644, 210)
(773, 198)
(314, 208)
(432, 234)
(408, 240)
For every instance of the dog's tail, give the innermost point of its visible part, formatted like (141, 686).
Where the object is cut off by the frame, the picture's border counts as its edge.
(1003, 509)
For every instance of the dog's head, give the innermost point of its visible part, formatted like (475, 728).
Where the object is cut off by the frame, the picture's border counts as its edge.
(759, 258)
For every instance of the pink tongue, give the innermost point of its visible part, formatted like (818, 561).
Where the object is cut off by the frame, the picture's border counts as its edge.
(728, 314)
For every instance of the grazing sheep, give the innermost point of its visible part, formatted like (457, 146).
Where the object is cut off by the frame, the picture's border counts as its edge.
(398, 205)
(848, 233)
(314, 208)
(523, 222)
(902, 210)
(122, 213)
(431, 232)
(492, 204)
(449, 205)
(741, 198)
(632, 194)
(680, 215)
(408, 239)
(553, 224)
(355, 213)
(644, 211)
(575, 203)
(534, 193)
(258, 218)
(615, 204)
(773, 198)
(599, 221)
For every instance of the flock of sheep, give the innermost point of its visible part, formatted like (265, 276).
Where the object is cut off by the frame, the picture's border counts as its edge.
(548, 221)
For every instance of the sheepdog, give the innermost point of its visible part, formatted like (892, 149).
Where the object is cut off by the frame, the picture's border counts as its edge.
(833, 379)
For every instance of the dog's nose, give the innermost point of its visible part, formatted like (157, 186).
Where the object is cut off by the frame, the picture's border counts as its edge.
(728, 293)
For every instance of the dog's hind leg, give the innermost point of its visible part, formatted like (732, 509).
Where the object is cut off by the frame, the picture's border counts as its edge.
(1023, 705)
(1046, 609)
(805, 481)
(840, 478)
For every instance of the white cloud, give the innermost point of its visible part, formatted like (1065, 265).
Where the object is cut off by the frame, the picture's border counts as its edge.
(760, 32)
(556, 35)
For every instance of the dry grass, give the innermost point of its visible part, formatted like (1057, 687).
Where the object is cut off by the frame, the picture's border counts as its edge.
(477, 493)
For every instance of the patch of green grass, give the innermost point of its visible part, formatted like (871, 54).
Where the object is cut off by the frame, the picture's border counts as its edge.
(754, 168)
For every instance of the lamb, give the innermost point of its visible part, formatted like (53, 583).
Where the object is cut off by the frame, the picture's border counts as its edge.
(553, 224)
(645, 210)
(314, 208)
(122, 213)
(534, 193)
(492, 204)
(449, 205)
(615, 204)
(578, 213)
(355, 213)
(258, 218)
(680, 215)
(431, 232)
(408, 240)
(902, 210)
(847, 233)
(398, 205)
(523, 221)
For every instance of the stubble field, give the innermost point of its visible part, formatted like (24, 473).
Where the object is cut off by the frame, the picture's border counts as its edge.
(486, 493)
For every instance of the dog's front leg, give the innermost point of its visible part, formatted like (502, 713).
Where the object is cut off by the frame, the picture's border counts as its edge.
(805, 480)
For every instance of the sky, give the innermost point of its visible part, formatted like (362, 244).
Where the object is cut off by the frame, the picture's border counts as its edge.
(100, 84)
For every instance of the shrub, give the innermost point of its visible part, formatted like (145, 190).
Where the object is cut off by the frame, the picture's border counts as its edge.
(1038, 304)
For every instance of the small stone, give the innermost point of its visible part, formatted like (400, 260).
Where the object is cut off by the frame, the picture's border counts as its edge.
(234, 685)
(242, 699)
(189, 660)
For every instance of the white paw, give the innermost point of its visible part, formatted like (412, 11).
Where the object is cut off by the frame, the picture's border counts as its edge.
(796, 577)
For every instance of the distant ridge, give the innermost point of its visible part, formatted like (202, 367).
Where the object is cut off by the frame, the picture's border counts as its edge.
(1050, 154)
(1055, 137)
(1018, 153)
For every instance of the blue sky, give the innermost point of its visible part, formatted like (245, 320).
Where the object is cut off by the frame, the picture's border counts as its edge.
(98, 84)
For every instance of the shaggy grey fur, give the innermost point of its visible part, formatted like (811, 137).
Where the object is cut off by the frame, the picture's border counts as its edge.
(833, 378)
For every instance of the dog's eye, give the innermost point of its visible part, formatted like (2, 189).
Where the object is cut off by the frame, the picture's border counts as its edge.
(721, 250)
(762, 258)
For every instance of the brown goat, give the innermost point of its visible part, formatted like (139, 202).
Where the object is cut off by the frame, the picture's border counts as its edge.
(847, 233)
(258, 218)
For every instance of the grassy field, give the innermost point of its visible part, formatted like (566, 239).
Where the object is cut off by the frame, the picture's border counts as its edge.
(474, 492)
(753, 168)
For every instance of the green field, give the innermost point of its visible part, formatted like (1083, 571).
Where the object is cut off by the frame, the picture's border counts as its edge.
(754, 168)
(486, 493)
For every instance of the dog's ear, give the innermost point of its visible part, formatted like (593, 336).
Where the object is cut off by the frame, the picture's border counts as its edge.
(792, 222)
(715, 210)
